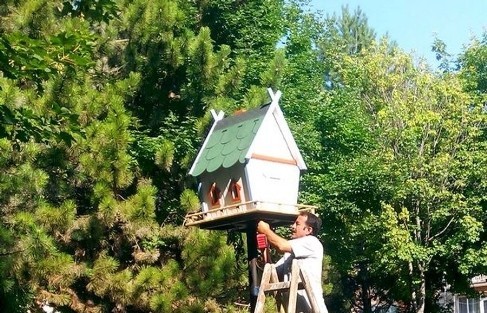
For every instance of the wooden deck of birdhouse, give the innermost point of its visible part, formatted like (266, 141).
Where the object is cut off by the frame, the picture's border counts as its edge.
(238, 216)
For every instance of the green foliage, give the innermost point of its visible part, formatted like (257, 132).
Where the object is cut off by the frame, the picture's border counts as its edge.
(28, 60)
(189, 200)
(98, 132)
(237, 23)
(103, 105)
(140, 207)
(100, 10)
(351, 31)
(25, 119)
(472, 63)
(57, 219)
(209, 263)
(440, 49)
(400, 177)
(164, 155)
(102, 282)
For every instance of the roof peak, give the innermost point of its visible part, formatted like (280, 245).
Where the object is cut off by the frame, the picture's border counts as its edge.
(275, 97)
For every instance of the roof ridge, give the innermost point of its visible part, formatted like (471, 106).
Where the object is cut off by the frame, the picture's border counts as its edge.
(242, 117)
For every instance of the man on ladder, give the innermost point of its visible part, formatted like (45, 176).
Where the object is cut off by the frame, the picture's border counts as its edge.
(307, 250)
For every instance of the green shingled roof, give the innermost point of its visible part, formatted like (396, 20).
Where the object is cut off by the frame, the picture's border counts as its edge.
(230, 141)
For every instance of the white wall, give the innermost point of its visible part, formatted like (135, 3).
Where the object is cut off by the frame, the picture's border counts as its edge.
(273, 182)
(270, 141)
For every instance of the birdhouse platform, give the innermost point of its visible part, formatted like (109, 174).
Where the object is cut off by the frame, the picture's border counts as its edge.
(237, 217)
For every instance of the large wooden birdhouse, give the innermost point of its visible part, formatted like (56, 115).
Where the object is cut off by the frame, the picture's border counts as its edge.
(248, 168)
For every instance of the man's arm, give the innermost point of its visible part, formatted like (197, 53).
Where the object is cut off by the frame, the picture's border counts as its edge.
(281, 244)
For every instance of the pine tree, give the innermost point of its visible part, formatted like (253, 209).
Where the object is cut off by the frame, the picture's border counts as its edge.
(97, 137)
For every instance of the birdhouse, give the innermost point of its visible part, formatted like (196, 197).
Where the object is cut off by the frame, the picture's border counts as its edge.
(248, 168)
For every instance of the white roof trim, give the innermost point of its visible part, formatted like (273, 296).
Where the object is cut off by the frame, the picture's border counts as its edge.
(288, 137)
(275, 110)
(274, 96)
(216, 118)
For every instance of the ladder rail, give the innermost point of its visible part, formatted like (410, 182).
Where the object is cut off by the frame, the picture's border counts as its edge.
(266, 275)
(293, 288)
(309, 292)
(270, 284)
(277, 295)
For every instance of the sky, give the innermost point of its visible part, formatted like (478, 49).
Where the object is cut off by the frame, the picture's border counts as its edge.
(413, 24)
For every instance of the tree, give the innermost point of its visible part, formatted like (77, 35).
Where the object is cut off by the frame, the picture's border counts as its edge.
(251, 29)
(101, 128)
(472, 67)
(78, 235)
(103, 106)
(409, 200)
(348, 33)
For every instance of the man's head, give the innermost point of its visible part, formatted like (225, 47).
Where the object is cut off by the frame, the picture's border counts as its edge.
(306, 224)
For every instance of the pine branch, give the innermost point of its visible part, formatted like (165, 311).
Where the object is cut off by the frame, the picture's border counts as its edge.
(11, 252)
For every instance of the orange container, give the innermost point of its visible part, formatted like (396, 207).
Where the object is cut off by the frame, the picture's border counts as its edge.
(262, 241)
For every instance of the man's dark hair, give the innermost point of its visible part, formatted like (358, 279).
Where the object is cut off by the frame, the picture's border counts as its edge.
(312, 221)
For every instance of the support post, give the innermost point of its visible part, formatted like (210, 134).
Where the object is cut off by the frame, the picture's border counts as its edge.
(252, 254)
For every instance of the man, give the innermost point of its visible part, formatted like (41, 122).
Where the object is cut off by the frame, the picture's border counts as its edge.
(307, 249)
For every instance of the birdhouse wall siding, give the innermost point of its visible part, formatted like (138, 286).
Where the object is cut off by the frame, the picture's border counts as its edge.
(223, 178)
(271, 142)
(274, 183)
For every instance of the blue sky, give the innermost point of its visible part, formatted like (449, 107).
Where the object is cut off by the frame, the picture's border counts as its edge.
(414, 23)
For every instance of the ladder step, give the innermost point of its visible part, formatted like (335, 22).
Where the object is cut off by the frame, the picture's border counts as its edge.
(277, 286)
(282, 286)
(298, 280)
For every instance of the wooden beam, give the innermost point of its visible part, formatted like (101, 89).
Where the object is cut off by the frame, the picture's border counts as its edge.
(273, 159)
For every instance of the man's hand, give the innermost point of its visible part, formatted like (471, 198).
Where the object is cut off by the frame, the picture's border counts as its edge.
(275, 240)
(263, 228)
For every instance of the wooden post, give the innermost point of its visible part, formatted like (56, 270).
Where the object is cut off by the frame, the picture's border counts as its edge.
(252, 254)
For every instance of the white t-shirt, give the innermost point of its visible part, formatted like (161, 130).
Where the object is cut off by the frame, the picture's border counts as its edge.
(308, 251)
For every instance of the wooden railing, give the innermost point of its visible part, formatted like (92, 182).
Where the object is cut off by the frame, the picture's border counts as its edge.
(244, 207)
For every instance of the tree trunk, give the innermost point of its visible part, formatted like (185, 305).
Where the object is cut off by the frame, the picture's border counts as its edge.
(418, 293)
(421, 296)
(365, 295)
(413, 289)
(367, 306)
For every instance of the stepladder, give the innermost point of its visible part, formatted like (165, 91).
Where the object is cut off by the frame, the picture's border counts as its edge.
(285, 290)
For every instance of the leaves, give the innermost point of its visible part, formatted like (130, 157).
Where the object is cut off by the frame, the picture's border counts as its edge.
(190, 201)
(415, 130)
(103, 105)
(28, 58)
